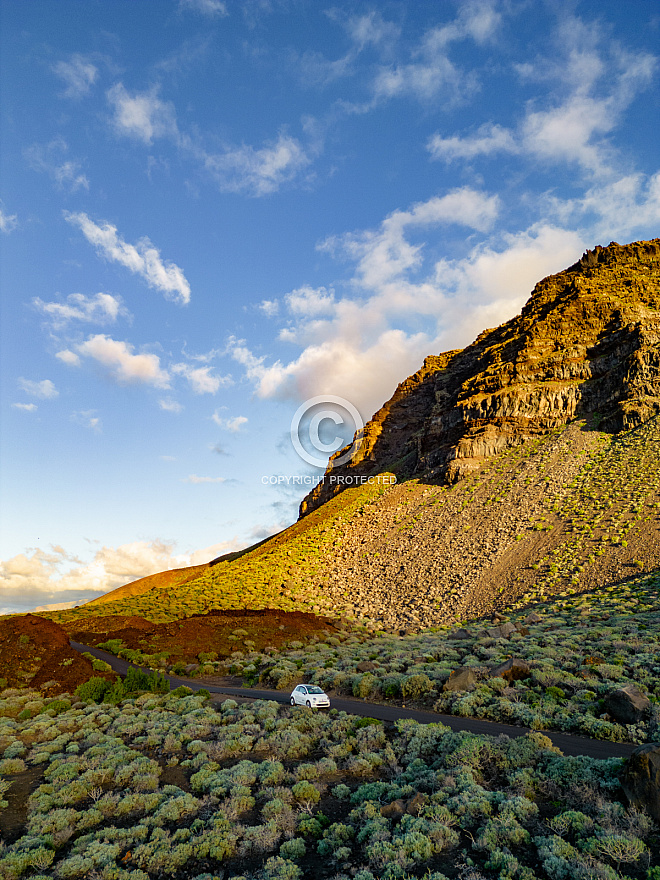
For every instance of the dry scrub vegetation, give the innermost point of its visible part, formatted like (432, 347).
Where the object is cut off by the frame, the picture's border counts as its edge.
(169, 785)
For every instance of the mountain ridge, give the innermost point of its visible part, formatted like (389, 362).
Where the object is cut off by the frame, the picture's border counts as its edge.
(586, 341)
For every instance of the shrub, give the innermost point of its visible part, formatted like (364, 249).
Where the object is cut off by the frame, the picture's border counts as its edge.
(416, 686)
(293, 849)
(93, 690)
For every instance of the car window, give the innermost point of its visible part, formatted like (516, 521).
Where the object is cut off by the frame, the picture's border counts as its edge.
(303, 690)
(314, 690)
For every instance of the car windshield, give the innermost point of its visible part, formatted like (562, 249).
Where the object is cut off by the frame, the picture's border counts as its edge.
(314, 690)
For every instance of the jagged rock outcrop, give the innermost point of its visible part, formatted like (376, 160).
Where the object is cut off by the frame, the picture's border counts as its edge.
(587, 343)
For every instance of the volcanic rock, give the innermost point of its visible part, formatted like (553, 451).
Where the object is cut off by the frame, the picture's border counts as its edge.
(513, 669)
(458, 634)
(640, 780)
(627, 704)
(462, 679)
(586, 342)
(501, 632)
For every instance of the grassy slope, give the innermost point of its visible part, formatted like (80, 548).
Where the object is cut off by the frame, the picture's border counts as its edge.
(279, 573)
(571, 511)
(174, 577)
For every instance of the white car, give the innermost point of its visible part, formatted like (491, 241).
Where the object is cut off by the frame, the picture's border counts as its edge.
(309, 695)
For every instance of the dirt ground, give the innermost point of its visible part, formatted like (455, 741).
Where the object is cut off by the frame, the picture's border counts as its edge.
(183, 640)
(35, 651)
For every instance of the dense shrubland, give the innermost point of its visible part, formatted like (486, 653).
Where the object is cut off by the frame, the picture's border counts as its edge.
(168, 785)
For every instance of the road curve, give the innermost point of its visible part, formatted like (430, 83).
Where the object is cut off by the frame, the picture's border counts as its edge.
(569, 744)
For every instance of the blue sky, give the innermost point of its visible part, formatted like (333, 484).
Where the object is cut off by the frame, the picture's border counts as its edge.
(212, 212)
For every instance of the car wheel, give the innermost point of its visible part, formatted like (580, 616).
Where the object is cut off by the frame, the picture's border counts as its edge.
(293, 702)
(308, 704)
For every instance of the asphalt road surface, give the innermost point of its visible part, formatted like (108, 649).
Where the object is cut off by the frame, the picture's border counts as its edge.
(569, 745)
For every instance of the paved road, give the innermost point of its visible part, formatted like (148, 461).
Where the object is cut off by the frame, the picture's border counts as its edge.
(570, 745)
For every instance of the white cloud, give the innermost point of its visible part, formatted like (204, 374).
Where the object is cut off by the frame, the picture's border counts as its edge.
(26, 407)
(405, 307)
(233, 424)
(70, 358)
(310, 302)
(193, 478)
(364, 31)
(270, 307)
(78, 74)
(39, 577)
(103, 308)
(142, 259)
(386, 254)
(210, 8)
(142, 116)
(124, 366)
(66, 174)
(601, 80)
(245, 169)
(615, 208)
(489, 139)
(8, 222)
(87, 418)
(44, 389)
(257, 172)
(430, 73)
(170, 405)
(201, 379)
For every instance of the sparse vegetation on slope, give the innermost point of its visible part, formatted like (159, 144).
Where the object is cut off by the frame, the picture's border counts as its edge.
(575, 653)
(282, 572)
(169, 786)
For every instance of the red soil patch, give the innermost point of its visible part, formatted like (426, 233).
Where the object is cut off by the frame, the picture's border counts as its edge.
(35, 651)
(185, 639)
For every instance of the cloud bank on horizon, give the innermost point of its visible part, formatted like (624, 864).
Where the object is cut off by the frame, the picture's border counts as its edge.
(218, 210)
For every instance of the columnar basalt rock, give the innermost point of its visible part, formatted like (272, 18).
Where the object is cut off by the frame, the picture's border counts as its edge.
(587, 343)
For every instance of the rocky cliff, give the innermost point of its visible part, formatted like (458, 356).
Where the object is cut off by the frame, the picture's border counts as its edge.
(586, 344)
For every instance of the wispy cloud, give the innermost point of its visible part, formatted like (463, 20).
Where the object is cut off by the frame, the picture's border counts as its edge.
(386, 253)
(49, 159)
(26, 407)
(488, 140)
(270, 307)
(430, 73)
(255, 171)
(87, 418)
(102, 308)
(142, 116)
(142, 258)
(233, 424)
(78, 75)
(70, 358)
(405, 305)
(193, 478)
(209, 8)
(201, 379)
(45, 389)
(168, 404)
(125, 367)
(591, 82)
(8, 222)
